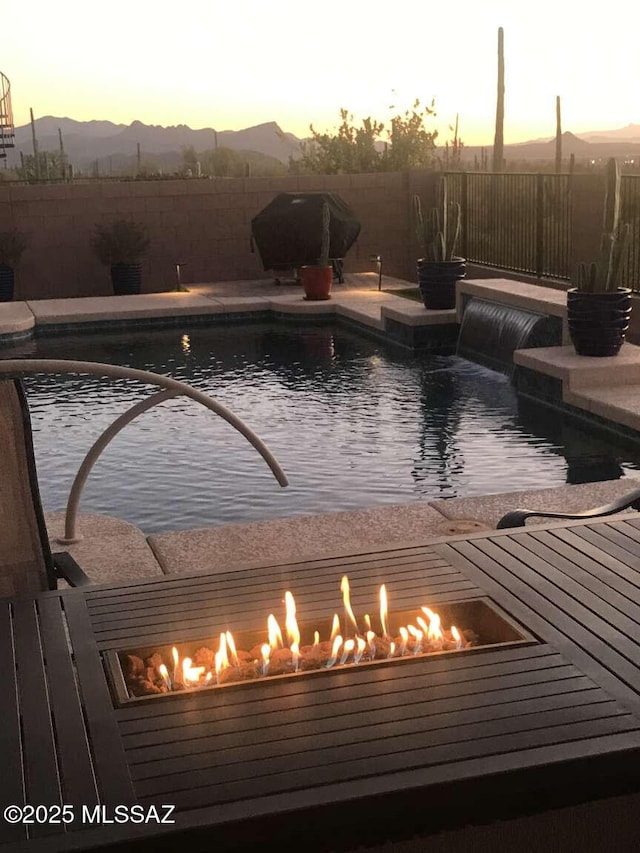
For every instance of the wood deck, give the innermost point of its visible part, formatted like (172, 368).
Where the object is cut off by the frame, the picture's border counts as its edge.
(477, 736)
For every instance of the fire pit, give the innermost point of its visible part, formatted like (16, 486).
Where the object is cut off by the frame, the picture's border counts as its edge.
(306, 648)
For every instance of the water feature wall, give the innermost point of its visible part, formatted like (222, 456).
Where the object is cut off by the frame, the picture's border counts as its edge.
(491, 332)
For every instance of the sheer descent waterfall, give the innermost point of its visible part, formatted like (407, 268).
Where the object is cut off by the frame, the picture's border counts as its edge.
(491, 332)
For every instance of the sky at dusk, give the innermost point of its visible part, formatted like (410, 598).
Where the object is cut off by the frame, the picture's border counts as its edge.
(237, 63)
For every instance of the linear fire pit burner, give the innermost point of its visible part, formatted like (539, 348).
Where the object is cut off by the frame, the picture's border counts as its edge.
(160, 671)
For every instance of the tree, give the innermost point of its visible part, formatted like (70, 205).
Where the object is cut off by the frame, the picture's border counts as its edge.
(411, 145)
(353, 149)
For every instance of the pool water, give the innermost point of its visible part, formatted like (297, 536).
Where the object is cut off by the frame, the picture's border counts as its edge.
(353, 423)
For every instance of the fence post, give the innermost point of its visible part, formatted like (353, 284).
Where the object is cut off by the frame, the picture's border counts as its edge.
(464, 210)
(539, 224)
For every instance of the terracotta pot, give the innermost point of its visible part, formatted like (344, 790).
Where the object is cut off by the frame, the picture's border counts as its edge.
(437, 282)
(316, 282)
(598, 322)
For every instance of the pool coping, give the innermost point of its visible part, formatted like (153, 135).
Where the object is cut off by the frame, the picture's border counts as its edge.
(604, 392)
(112, 550)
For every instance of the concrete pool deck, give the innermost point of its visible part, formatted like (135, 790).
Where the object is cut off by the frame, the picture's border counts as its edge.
(112, 549)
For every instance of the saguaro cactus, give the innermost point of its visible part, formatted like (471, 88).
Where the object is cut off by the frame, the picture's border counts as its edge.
(558, 136)
(604, 275)
(439, 232)
(325, 240)
(498, 142)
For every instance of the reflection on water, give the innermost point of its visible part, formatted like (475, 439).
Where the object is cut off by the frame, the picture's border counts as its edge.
(353, 423)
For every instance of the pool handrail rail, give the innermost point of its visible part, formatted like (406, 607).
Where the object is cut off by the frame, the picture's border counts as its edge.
(172, 388)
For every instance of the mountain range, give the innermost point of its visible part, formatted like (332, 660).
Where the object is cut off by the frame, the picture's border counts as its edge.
(88, 141)
(116, 145)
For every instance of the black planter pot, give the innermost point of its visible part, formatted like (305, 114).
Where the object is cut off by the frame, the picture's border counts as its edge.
(7, 280)
(437, 282)
(126, 279)
(598, 322)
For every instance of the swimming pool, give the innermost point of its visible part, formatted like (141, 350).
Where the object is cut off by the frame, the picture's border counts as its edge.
(353, 422)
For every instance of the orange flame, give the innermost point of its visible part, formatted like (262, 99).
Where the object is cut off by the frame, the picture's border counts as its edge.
(191, 674)
(221, 659)
(456, 636)
(176, 662)
(434, 632)
(291, 624)
(405, 639)
(265, 651)
(417, 638)
(346, 600)
(335, 627)
(348, 647)
(335, 648)
(232, 649)
(275, 634)
(384, 611)
(371, 641)
(164, 672)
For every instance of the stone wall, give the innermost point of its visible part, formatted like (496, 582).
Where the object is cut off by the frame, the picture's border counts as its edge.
(202, 223)
(206, 225)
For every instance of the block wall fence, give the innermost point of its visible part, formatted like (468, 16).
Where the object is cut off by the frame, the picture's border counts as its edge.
(205, 224)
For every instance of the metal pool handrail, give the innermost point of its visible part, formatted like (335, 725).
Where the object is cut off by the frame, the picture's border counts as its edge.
(174, 388)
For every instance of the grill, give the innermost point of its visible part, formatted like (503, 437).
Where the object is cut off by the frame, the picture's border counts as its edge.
(287, 232)
(546, 714)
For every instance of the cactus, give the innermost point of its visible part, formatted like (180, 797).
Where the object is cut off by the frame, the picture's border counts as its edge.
(498, 141)
(438, 234)
(323, 258)
(558, 136)
(603, 276)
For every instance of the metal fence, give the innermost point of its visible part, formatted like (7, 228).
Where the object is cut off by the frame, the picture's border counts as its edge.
(520, 222)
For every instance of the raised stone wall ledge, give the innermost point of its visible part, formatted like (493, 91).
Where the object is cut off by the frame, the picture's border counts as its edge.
(15, 318)
(518, 294)
(100, 308)
(608, 387)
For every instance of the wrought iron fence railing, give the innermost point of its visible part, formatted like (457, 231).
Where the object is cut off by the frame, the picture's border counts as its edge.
(520, 222)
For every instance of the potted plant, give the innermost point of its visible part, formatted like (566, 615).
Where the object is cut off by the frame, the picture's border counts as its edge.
(439, 269)
(317, 278)
(121, 245)
(12, 245)
(598, 309)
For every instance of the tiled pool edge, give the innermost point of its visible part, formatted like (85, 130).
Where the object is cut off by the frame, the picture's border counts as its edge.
(410, 335)
(393, 320)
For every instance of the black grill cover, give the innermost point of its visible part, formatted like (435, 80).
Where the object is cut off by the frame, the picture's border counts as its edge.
(287, 231)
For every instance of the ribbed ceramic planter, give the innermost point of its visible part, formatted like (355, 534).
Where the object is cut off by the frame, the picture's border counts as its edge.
(126, 279)
(598, 322)
(437, 282)
(6, 284)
